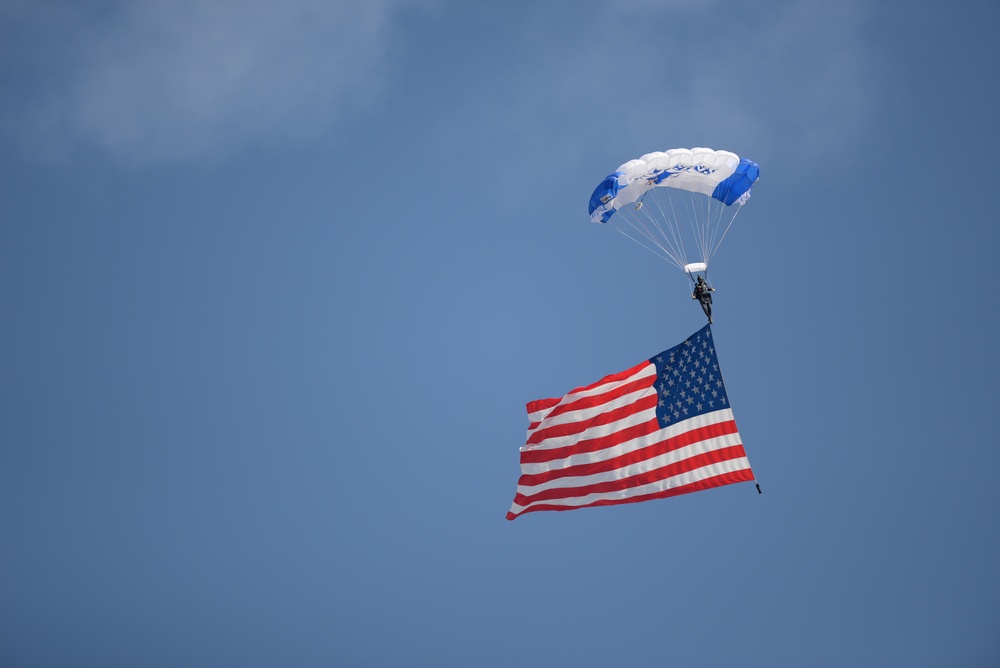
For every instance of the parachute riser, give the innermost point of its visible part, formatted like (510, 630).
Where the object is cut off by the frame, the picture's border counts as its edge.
(694, 279)
(695, 270)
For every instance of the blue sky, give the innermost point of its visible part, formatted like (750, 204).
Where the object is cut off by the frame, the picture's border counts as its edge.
(278, 278)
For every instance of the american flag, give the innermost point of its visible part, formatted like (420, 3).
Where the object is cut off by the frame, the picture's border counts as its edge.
(662, 428)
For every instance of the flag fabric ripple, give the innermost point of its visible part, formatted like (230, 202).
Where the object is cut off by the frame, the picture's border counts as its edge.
(661, 428)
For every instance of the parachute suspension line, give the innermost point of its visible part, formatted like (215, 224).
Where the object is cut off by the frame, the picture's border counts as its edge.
(716, 240)
(632, 218)
(706, 229)
(699, 222)
(731, 221)
(641, 219)
(707, 226)
(645, 221)
(675, 229)
(671, 236)
(664, 239)
(686, 201)
(654, 252)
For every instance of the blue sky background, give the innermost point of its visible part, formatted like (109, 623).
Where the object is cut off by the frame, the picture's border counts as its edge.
(277, 280)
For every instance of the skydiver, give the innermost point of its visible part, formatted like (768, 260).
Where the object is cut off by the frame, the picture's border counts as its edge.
(703, 293)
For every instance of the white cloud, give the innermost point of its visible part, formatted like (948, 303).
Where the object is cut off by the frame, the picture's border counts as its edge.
(172, 81)
(159, 81)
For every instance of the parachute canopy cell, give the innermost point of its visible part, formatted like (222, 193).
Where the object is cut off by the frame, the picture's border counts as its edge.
(692, 191)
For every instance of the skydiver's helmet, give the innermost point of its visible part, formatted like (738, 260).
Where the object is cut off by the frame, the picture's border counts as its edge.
(701, 280)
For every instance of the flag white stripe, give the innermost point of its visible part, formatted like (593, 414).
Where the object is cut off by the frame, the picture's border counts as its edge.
(696, 475)
(651, 464)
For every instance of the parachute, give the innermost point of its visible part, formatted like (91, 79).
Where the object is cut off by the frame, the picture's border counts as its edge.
(678, 204)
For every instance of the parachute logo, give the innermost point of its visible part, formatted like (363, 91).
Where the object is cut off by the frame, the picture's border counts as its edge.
(658, 176)
(697, 169)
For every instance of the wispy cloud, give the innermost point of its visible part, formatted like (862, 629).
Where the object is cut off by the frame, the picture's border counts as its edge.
(179, 80)
(794, 76)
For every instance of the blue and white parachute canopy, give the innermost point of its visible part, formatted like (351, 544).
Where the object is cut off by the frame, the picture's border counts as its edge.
(677, 203)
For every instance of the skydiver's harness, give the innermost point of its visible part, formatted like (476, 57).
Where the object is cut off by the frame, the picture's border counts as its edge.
(702, 292)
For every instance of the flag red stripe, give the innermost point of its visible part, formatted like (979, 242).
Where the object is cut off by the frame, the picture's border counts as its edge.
(542, 404)
(570, 428)
(590, 401)
(595, 400)
(591, 444)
